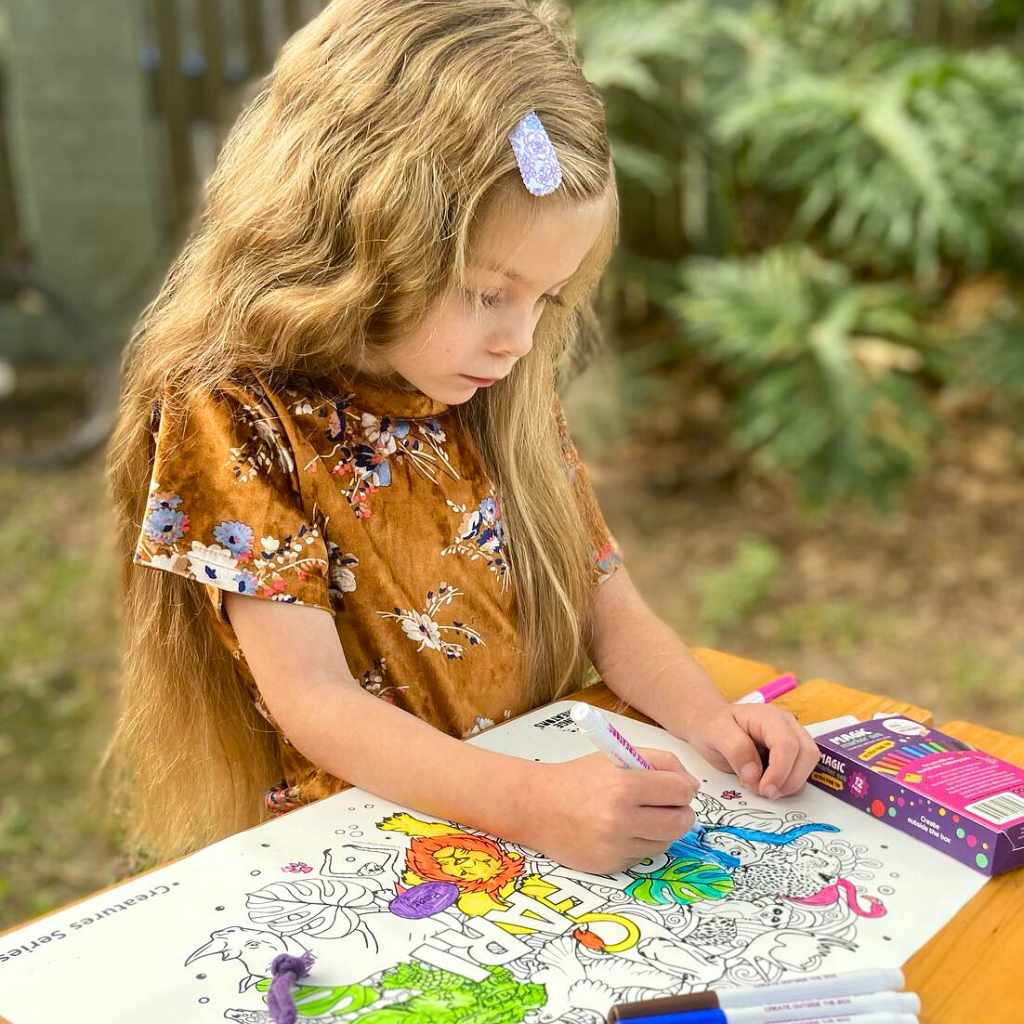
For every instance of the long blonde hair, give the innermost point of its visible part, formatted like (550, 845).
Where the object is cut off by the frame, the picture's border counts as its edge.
(344, 201)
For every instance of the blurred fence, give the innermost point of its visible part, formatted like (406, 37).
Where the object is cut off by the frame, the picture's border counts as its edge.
(8, 203)
(111, 115)
(196, 57)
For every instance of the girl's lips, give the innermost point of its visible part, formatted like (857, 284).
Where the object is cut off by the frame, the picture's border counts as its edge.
(482, 382)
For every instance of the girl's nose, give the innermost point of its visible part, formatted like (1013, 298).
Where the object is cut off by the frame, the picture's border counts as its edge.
(515, 339)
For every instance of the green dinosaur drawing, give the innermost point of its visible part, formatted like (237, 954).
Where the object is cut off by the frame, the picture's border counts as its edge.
(447, 998)
(318, 1000)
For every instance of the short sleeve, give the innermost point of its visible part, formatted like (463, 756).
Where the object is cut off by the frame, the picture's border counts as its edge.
(225, 507)
(606, 553)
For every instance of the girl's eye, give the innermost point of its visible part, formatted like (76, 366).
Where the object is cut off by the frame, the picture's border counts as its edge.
(491, 299)
(486, 299)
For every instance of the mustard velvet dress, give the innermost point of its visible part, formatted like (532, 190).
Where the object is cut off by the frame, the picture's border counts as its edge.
(371, 502)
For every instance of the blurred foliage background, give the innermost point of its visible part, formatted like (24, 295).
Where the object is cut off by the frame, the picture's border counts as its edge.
(808, 187)
(805, 426)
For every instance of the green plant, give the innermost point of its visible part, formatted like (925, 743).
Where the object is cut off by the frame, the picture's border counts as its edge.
(895, 159)
(995, 358)
(886, 136)
(821, 368)
(728, 596)
(626, 46)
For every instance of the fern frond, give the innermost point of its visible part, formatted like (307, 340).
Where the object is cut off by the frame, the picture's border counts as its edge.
(793, 331)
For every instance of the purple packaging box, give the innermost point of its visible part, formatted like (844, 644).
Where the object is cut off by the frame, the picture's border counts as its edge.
(962, 801)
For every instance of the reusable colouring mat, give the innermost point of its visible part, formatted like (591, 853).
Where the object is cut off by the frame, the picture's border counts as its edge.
(417, 920)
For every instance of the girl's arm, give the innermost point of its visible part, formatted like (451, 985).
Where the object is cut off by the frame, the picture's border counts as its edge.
(645, 663)
(585, 813)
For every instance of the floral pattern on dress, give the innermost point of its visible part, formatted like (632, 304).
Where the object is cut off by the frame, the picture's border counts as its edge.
(365, 446)
(606, 560)
(263, 448)
(283, 797)
(341, 578)
(231, 562)
(481, 535)
(373, 680)
(481, 723)
(422, 628)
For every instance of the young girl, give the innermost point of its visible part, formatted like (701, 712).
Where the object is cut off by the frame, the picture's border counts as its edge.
(340, 440)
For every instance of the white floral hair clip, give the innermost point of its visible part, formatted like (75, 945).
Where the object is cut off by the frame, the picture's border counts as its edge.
(538, 162)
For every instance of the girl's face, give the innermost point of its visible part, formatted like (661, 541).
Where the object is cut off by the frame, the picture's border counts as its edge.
(515, 272)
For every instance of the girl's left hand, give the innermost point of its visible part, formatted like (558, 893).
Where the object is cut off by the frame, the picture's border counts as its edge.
(729, 736)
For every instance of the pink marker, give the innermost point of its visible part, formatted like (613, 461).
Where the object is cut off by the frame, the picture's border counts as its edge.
(605, 736)
(767, 693)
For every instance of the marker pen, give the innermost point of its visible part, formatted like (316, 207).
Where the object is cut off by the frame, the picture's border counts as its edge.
(841, 983)
(860, 1018)
(802, 1010)
(867, 1018)
(767, 693)
(605, 736)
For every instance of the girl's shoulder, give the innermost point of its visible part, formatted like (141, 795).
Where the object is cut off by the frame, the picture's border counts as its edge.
(251, 403)
(228, 504)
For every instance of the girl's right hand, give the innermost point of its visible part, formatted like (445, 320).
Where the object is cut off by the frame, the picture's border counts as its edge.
(594, 816)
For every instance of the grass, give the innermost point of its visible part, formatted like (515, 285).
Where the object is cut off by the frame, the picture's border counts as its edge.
(728, 596)
(836, 624)
(57, 666)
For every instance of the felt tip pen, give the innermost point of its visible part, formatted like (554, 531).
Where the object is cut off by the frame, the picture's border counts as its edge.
(802, 1010)
(605, 736)
(867, 1018)
(767, 693)
(838, 983)
(860, 1018)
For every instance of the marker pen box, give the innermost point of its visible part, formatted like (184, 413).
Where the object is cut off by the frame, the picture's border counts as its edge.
(964, 802)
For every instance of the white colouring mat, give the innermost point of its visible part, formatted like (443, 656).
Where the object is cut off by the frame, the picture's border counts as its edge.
(415, 920)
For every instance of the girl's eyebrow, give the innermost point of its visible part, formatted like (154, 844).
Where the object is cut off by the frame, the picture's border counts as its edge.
(511, 274)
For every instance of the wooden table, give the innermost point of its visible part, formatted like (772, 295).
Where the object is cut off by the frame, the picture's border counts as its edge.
(967, 973)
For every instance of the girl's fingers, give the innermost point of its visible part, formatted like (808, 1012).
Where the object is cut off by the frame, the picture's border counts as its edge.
(665, 761)
(739, 750)
(785, 740)
(662, 825)
(661, 789)
(641, 849)
(805, 763)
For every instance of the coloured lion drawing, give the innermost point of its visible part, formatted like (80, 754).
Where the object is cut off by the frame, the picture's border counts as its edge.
(482, 868)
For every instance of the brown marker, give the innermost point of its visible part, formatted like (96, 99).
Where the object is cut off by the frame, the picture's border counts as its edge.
(864, 982)
(666, 1004)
